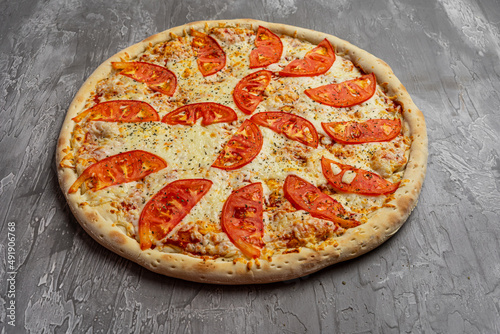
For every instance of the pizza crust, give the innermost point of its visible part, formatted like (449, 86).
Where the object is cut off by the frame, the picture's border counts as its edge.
(354, 242)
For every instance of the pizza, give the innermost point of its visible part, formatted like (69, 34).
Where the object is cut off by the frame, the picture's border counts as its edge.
(237, 152)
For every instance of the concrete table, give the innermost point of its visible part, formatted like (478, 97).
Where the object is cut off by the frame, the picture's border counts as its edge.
(439, 274)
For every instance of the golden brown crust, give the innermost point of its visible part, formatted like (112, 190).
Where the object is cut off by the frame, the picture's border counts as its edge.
(356, 241)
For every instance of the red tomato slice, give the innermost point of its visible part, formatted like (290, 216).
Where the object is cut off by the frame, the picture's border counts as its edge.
(117, 169)
(292, 126)
(242, 219)
(248, 92)
(210, 56)
(305, 196)
(241, 148)
(316, 62)
(364, 183)
(268, 51)
(120, 111)
(211, 113)
(156, 77)
(168, 207)
(373, 130)
(345, 94)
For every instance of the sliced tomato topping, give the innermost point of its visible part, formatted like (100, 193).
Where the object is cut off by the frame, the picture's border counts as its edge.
(316, 62)
(345, 94)
(268, 51)
(168, 207)
(117, 169)
(210, 56)
(120, 111)
(373, 130)
(242, 219)
(209, 111)
(241, 148)
(157, 78)
(292, 126)
(248, 92)
(305, 196)
(358, 181)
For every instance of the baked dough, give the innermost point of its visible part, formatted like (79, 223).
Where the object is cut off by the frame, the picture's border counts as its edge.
(233, 268)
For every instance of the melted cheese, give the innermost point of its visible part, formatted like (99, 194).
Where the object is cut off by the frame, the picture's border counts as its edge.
(190, 151)
(348, 177)
(336, 170)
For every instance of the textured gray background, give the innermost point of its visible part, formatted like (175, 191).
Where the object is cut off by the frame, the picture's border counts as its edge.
(439, 274)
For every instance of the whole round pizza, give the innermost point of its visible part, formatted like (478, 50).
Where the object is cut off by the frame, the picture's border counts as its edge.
(236, 152)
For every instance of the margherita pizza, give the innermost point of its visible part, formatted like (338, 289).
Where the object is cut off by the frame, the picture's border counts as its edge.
(236, 152)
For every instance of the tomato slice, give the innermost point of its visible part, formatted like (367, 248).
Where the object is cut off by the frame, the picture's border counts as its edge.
(210, 56)
(168, 207)
(316, 62)
(248, 92)
(305, 196)
(268, 51)
(241, 219)
(117, 169)
(292, 126)
(373, 130)
(157, 78)
(345, 94)
(210, 112)
(364, 183)
(241, 148)
(120, 111)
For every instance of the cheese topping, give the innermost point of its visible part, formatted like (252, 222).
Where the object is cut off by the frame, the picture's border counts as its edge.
(190, 150)
(348, 176)
(335, 169)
